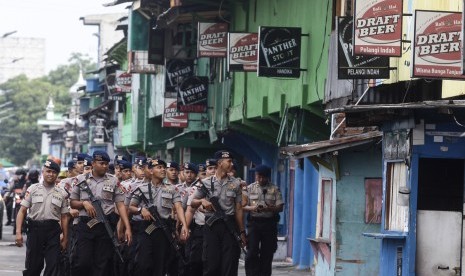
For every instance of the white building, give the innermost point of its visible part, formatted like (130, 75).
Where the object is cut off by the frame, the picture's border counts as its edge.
(21, 55)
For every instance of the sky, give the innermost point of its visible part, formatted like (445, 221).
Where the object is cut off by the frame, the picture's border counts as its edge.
(58, 22)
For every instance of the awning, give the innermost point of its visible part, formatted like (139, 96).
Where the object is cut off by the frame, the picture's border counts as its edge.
(311, 149)
(190, 138)
(103, 107)
(187, 13)
(116, 2)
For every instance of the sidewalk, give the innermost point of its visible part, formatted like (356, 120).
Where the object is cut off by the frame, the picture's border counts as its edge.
(279, 268)
(12, 258)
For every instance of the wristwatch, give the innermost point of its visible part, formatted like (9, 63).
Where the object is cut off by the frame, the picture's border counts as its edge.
(139, 210)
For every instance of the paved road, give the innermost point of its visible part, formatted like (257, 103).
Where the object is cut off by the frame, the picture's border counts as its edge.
(12, 258)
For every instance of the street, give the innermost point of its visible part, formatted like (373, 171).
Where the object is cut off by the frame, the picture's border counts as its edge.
(12, 258)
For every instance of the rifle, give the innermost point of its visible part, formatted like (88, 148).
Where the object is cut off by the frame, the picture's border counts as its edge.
(160, 223)
(84, 186)
(219, 214)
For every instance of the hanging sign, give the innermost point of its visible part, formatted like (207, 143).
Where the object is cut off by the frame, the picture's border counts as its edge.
(177, 70)
(378, 28)
(279, 52)
(171, 116)
(212, 39)
(242, 52)
(193, 95)
(356, 67)
(437, 45)
(123, 81)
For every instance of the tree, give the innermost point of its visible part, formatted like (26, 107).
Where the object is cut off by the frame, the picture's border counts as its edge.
(20, 136)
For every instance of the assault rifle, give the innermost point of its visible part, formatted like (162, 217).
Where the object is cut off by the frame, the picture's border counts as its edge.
(160, 223)
(84, 186)
(219, 214)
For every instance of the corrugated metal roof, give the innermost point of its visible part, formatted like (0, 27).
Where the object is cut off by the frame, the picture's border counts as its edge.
(311, 149)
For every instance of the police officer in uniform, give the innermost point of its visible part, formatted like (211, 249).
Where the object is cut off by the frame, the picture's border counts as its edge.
(153, 246)
(129, 254)
(265, 202)
(202, 169)
(87, 164)
(93, 252)
(221, 250)
(79, 165)
(210, 167)
(48, 207)
(172, 173)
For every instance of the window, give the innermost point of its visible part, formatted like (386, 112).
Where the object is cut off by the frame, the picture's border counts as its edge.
(396, 216)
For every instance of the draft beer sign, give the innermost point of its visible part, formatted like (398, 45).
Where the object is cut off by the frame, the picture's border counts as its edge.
(437, 45)
(378, 28)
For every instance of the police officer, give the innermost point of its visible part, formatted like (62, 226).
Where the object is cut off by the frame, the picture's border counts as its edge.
(48, 207)
(202, 169)
(138, 167)
(94, 250)
(87, 164)
(67, 183)
(186, 189)
(210, 167)
(265, 202)
(153, 246)
(172, 173)
(79, 165)
(217, 237)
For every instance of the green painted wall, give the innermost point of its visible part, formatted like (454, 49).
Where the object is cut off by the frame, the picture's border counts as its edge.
(138, 32)
(356, 255)
(263, 96)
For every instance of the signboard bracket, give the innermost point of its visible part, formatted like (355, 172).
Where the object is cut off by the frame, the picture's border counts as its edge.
(307, 35)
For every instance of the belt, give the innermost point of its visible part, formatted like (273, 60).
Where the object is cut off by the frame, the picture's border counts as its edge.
(42, 223)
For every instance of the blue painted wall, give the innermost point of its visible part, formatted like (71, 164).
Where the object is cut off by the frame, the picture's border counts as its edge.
(305, 211)
(451, 147)
(356, 254)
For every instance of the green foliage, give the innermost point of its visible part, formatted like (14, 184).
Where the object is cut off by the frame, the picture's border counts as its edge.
(20, 136)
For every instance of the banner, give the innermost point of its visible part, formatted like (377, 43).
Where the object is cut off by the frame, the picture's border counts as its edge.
(193, 95)
(356, 67)
(279, 54)
(177, 70)
(171, 116)
(212, 39)
(378, 28)
(123, 81)
(437, 45)
(242, 52)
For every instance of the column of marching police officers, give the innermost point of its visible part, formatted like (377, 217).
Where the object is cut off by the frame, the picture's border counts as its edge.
(150, 218)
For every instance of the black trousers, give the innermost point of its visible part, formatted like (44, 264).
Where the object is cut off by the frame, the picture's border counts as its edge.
(153, 252)
(193, 251)
(93, 251)
(262, 243)
(43, 242)
(220, 250)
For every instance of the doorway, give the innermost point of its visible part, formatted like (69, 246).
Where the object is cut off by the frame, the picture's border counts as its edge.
(439, 216)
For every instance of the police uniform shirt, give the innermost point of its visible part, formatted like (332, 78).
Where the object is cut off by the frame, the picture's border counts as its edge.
(45, 203)
(106, 189)
(128, 187)
(184, 192)
(164, 197)
(67, 184)
(228, 191)
(199, 217)
(268, 195)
